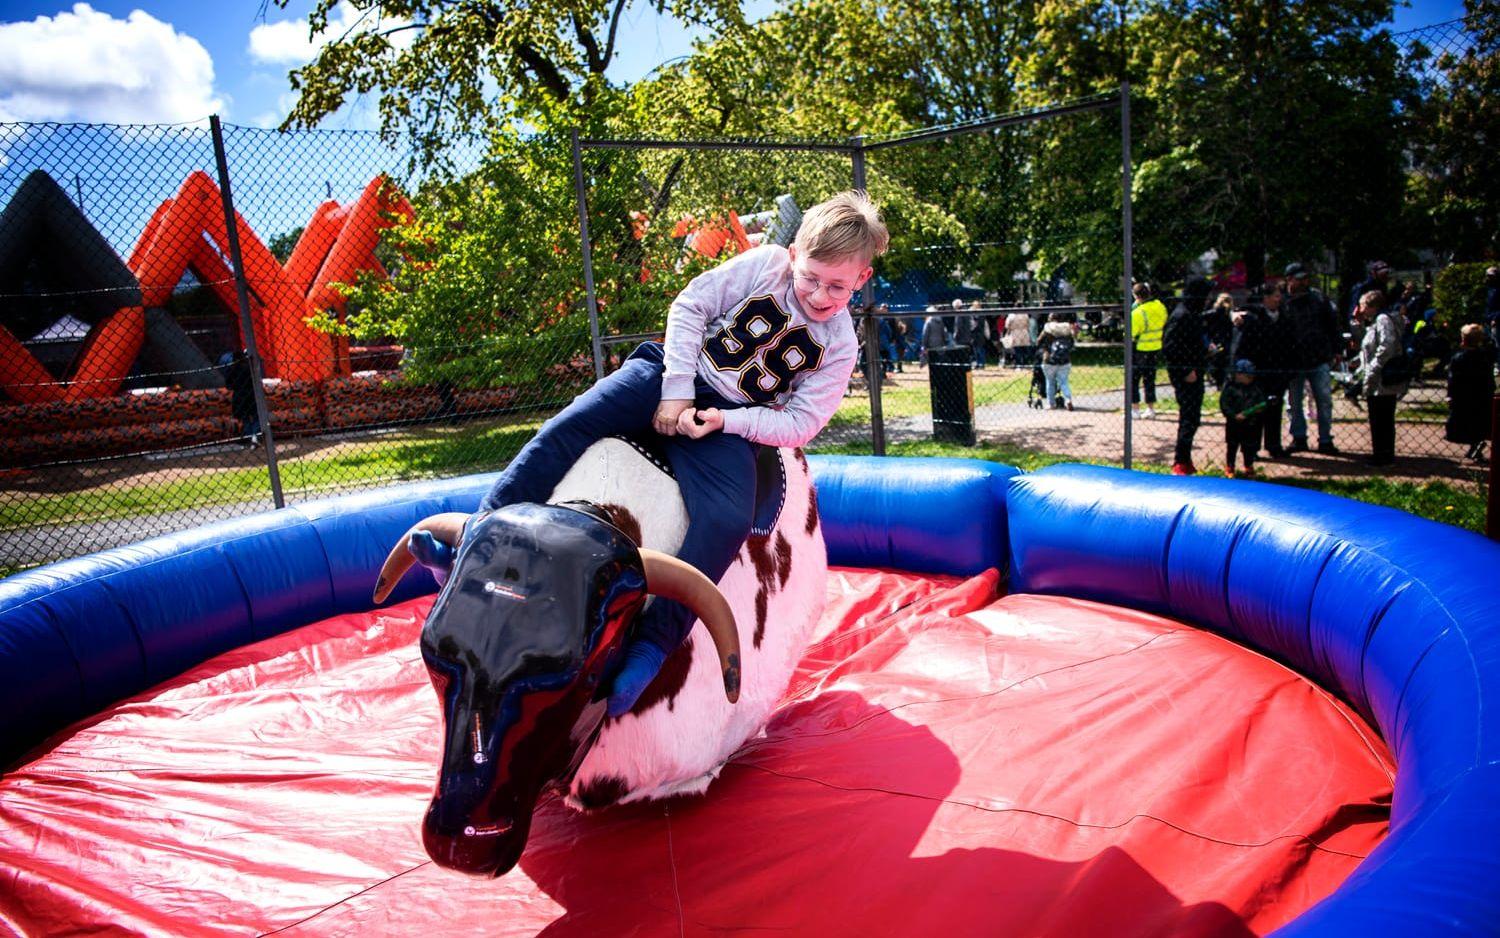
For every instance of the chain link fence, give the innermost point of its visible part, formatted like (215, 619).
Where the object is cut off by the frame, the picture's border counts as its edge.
(190, 329)
(978, 277)
(201, 322)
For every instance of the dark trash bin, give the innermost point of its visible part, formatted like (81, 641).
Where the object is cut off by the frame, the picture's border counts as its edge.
(950, 374)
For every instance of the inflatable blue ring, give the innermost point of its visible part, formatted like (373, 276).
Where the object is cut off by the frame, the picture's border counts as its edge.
(1395, 614)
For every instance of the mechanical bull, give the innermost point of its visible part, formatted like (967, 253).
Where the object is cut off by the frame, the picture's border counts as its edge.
(527, 630)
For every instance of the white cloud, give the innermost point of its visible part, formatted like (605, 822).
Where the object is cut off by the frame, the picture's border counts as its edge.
(273, 118)
(289, 42)
(85, 65)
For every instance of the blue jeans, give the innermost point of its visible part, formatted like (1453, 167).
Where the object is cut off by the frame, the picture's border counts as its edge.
(716, 473)
(1322, 386)
(1057, 381)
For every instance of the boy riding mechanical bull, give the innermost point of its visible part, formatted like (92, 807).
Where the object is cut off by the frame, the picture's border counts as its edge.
(758, 350)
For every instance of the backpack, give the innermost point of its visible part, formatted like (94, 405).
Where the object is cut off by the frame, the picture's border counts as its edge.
(1058, 350)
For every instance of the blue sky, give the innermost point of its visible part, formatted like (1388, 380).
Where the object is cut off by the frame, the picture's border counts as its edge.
(189, 58)
(166, 61)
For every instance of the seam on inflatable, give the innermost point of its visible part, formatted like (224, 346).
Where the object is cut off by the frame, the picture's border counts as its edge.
(1073, 822)
(62, 634)
(135, 630)
(1241, 526)
(1163, 581)
(1364, 651)
(352, 895)
(333, 593)
(1406, 684)
(1316, 655)
(234, 569)
(751, 745)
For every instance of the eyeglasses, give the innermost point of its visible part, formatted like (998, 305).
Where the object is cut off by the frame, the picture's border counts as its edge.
(834, 292)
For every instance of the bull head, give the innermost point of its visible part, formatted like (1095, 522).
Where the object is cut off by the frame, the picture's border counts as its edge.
(520, 644)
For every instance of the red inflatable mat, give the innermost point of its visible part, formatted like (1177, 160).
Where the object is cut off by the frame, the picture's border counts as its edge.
(945, 764)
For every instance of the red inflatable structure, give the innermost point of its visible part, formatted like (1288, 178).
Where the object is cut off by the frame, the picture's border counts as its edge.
(947, 761)
(188, 232)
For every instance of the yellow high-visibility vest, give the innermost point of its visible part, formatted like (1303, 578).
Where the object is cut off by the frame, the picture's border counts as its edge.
(1147, 320)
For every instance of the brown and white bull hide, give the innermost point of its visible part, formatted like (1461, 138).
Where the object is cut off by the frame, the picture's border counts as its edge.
(682, 730)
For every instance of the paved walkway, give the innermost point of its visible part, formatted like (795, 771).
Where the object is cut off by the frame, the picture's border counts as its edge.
(1096, 429)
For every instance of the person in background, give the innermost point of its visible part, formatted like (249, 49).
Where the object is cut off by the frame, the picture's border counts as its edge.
(963, 326)
(934, 333)
(1377, 276)
(981, 335)
(1185, 350)
(1492, 303)
(889, 361)
(898, 342)
(1218, 326)
(235, 367)
(1270, 350)
(1380, 345)
(1056, 348)
(1317, 341)
(1241, 402)
(1148, 317)
(1471, 388)
(1017, 338)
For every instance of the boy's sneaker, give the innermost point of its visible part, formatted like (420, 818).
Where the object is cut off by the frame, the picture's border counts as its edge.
(1328, 449)
(1229, 473)
(1148, 413)
(1298, 445)
(1070, 405)
(1183, 469)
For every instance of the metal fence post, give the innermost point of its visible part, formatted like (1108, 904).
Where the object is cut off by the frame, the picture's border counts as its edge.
(1126, 295)
(262, 412)
(588, 256)
(874, 373)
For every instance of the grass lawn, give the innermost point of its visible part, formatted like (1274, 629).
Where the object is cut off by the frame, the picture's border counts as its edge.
(1436, 500)
(421, 453)
(991, 386)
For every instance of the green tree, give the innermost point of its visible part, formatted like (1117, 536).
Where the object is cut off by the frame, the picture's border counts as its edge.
(1273, 130)
(281, 245)
(1455, 182)
(446, 72)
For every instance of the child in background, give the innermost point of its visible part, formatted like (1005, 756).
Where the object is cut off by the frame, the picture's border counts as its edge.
(1241, 402)
(1056, 344)
(1471, 386)
(758, 350)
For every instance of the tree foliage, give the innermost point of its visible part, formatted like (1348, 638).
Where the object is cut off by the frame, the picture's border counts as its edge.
(1263, 130)
(450, 71)
(1456, 149)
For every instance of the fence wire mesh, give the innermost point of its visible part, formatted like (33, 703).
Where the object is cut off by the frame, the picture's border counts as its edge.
(380, 321)
(999, 300)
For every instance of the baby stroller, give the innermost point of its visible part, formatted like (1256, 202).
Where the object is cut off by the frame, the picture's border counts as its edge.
(1036, 395)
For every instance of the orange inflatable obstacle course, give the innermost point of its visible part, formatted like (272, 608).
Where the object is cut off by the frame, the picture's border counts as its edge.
(54, 263)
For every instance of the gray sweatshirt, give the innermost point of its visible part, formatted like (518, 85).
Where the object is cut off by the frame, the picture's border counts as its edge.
(740, 327)
(1382, 342)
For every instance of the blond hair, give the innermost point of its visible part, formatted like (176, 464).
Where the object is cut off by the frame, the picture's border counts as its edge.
(1471, 336)
(845, 226)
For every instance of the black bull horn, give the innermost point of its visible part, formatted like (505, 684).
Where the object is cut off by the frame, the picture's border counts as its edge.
(666, 576)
